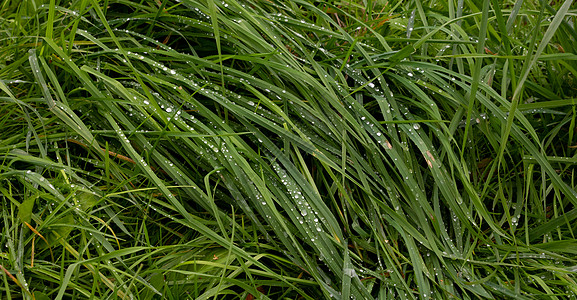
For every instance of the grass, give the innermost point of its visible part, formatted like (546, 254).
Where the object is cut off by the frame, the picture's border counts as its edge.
(287, 149)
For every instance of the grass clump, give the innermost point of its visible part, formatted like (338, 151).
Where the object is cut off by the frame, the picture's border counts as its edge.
(287, 150)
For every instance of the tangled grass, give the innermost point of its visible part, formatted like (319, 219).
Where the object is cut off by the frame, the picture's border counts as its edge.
(287, 149)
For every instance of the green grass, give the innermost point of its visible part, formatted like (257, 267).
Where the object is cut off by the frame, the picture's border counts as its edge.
(288, 149)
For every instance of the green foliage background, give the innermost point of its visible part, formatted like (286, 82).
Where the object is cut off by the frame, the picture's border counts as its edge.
(287, 149)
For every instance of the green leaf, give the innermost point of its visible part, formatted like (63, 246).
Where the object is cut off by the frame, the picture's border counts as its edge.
(25, 210)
